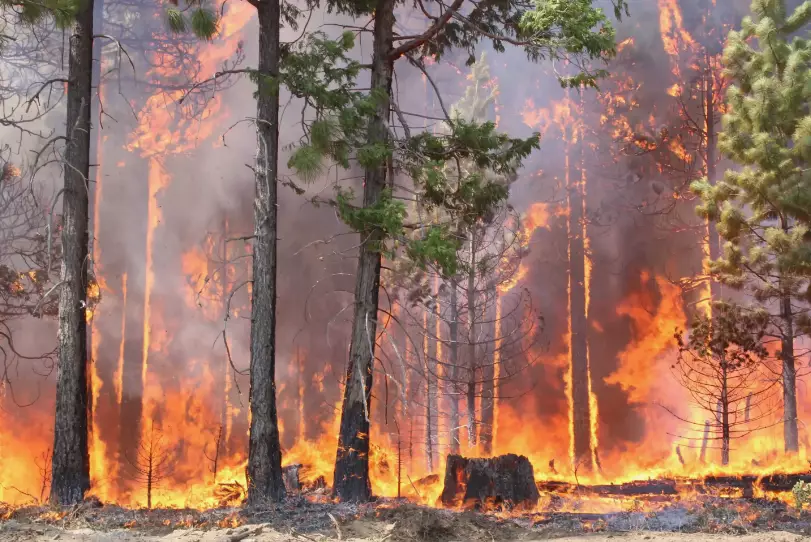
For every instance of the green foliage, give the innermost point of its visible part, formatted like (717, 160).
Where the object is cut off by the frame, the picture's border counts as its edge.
(568, 27)
(307, 161)
(320, 72)
(437, 246)
(385, 217)
(731, 339)
(544, 29)
(477, 142)
(763, 208)
(802, 494)
(63, 12)
(201, 20)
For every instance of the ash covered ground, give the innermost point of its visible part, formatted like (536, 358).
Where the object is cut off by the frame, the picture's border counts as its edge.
(697, 517)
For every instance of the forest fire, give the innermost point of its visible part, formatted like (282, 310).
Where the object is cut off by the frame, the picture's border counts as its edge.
(555, 344)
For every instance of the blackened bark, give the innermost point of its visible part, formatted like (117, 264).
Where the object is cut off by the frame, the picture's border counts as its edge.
(506, 480)
(790, 433)
(264, 470)
(351, 481)
(581, 408)
(71, 460)
(453, 339)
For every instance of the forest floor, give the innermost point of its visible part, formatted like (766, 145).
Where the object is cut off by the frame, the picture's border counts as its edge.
(701, 518)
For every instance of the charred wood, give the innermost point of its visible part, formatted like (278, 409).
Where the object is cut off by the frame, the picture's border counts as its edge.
(290, 474)
(506, 480)
(710, 484)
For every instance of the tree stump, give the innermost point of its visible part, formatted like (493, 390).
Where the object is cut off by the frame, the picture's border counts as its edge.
(290, 475)
(505, 481)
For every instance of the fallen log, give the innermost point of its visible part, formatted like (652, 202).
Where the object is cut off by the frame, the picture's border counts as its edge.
(711, 484)
(506, 480)
(629, 489)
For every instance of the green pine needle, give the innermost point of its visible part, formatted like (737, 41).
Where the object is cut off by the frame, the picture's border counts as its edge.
(204, 23)
(175, 20)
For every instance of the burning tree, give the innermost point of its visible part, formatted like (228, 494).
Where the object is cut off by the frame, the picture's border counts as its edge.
(152, 463)
(546, 29)
(480, 344)
(721, 365)
(71, 476)
(762, 210)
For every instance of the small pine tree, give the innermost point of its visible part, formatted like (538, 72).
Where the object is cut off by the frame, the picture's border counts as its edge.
(720, 365)
(763, 208)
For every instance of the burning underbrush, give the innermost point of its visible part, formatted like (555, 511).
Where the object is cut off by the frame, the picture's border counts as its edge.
(731, 505)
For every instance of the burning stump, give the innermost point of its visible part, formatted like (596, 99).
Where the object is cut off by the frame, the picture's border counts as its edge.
(506, 480)
(290, 474)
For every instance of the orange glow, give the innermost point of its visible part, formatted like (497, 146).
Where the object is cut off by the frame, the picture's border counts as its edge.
(97, 448)
(637, 374)
(674, 36)
(193, 399)
(119, 371)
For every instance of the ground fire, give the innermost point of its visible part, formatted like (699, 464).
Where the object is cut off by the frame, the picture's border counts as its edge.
(433, 271)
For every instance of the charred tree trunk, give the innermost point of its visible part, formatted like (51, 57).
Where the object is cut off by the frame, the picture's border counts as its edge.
(351, 481)
(453, 339)
(789, 376)
(790, 433)
(264, 471)
(581, 413)
(506, 480)
(472, 362)
(71, 460)
(489, 386)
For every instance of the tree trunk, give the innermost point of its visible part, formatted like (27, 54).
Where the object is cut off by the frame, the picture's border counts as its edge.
(581, 407)
(704, 441)
(724, 419)
(506, 481)
(712, 172)
(790, 433)
(351, 481)
(71, 460)
(471, 341)
(488, 388)
(431, 390)
(453, 332)
(264, 470)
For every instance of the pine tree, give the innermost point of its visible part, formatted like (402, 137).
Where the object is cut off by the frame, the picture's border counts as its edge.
(71, 461)
(264, 471)
(574, 29)
(720, 364)
(763, 208)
